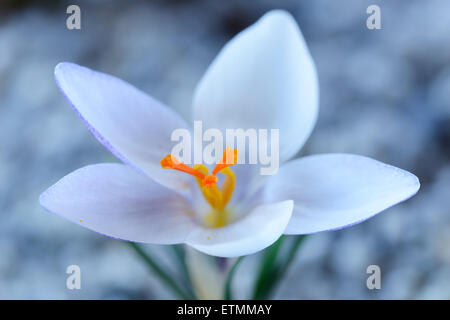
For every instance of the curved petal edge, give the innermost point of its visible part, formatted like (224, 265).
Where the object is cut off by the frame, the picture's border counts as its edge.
(334, 191)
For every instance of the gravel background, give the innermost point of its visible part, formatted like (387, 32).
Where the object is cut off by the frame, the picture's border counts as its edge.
(384, 94)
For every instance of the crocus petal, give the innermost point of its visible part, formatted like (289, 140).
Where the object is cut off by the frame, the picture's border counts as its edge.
(253, 232)
(333, 191)
(132, 125)
(247, 183)
(263, 78)
(120, 202)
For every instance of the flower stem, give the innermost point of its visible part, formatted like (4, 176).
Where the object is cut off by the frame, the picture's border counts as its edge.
(272, 270)
(227, 292)
(159, 271)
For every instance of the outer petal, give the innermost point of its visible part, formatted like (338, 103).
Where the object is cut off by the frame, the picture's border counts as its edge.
(117, 201)
(263, 78)
(132, 125)
(253, 232)
(333, 191)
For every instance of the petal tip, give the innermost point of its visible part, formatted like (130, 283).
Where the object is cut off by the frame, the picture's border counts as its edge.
(42, 199)
(62, 66)
(416, 185)
(279, 16)
(411, 184)
(280, 21)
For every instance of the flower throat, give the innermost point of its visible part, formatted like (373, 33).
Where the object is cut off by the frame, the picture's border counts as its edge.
(215, 196)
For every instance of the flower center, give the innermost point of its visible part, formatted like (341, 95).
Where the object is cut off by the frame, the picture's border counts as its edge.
(215, 196)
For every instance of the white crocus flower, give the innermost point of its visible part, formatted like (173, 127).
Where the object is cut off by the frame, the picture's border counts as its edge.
(263, 78)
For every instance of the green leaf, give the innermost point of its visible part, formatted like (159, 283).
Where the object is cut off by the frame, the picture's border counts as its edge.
(273, 267)
(159, 271)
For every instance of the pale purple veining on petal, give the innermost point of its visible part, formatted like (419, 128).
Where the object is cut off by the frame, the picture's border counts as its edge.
(116, 200)
(371, 216)
(385, 186)
(96, 134)
(139, 137)
(366, 218)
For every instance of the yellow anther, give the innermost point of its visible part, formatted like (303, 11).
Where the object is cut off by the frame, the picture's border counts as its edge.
(228, 184)
(211, 192)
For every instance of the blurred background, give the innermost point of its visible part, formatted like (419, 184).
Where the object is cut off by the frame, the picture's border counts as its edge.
(384, 94)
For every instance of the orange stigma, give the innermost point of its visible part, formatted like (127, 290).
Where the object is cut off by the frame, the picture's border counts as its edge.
(229, 158)
(171, 162)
